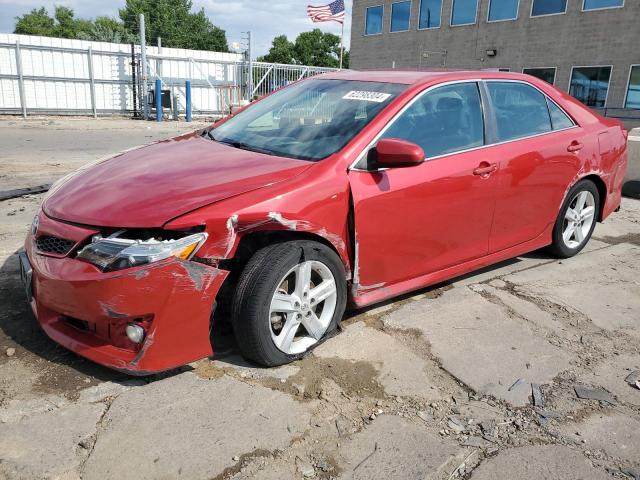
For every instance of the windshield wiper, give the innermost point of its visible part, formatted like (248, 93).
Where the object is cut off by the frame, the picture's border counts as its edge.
(210, 135)
(238, 144)
(245, 146)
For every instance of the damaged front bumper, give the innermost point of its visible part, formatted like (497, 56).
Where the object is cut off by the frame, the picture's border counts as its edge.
(87, 311)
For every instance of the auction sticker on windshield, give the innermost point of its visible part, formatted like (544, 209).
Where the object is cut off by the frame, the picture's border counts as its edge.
(377, 97)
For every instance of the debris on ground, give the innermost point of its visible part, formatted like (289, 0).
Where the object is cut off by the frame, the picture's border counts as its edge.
(591, 393)
(633, 379)
(454, 423)
(424, 416)
(10, 352)
(476, 442)
(489, 429)
(538, 398)
(515, 384)
(305, 468)
(20, 192)
(631, 473)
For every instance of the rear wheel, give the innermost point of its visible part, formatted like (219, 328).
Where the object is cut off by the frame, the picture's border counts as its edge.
(577, 219)
(290, 296)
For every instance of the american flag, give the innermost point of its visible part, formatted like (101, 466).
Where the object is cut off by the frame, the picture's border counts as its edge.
(326, 13)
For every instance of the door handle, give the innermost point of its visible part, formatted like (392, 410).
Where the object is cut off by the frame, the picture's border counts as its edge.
(485, 169)
(575, 146)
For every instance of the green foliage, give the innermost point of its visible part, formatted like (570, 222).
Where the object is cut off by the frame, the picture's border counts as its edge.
(106, 29)
(69, 27)
(315, 48)
(38, 22)
(172, 20)
(175, 24)
(281, 51)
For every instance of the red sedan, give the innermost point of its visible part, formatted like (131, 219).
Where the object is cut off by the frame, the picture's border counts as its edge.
(351, 187)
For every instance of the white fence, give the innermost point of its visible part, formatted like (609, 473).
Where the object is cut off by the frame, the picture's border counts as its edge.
(61, 76)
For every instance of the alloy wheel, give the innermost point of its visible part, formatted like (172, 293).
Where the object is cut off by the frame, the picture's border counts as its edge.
(578, 219)
(302, 307)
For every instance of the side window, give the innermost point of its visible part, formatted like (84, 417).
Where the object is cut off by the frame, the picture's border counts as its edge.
(559, 119)
(445, 120)
(520, 109)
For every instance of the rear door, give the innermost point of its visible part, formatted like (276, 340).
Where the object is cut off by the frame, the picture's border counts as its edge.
(539, 150)
(417, 220)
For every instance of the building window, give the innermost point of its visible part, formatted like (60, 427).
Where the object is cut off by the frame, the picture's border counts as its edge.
(503, 10)
(633, 90)
(464, 12)
(546, 74)
(601, 4)
(430, 11)
(548, 7)
(590, 85)
(373, 24)
(521, 110)
(400, 16)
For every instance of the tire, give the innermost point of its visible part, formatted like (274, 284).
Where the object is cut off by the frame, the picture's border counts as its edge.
(583, 219)
(274, 321)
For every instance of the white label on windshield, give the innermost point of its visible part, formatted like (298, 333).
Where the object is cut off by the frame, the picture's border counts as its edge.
(377, 97)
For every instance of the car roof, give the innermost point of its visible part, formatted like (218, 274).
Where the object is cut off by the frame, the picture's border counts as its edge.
(416, 77)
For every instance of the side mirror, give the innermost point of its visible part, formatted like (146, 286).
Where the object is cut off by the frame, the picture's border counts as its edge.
(394, 152)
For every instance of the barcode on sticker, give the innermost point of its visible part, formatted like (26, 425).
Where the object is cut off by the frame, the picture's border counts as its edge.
(377, 97)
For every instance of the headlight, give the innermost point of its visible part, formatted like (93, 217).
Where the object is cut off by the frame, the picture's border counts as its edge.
(109, 254)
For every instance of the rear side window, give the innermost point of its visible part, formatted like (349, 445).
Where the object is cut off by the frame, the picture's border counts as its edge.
(444, 120)
(559, 119)
(521, 110)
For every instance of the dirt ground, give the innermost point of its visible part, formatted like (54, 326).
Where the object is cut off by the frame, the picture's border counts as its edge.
(476, 378)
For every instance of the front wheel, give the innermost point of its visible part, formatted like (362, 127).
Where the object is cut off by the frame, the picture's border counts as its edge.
(290, 296)
(576, 220)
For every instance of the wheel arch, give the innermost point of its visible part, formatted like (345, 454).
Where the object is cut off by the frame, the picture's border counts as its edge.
(602, 190)
(253, 241)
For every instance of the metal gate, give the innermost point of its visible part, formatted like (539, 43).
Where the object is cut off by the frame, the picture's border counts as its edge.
(42, 75)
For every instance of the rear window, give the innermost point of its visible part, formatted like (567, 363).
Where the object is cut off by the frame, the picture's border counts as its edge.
(559, 119)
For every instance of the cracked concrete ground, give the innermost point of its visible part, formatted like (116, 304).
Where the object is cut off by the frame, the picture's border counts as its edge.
(435, 385)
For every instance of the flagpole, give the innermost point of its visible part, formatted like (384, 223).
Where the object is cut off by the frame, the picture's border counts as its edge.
(341, 44)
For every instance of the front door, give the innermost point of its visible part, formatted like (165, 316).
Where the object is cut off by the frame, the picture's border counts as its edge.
(417, 220)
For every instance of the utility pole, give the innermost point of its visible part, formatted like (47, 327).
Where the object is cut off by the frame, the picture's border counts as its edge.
(159, 62)
(341, 44)
(143, 56)
(249, 68)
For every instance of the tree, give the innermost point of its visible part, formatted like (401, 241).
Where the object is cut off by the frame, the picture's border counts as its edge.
(106, 29)
(315, 48)
(173, 21)
(201, 34)
(66, 26)
(281, 51)
(37, 22)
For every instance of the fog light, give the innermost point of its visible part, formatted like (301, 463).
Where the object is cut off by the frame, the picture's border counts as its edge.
(135, 333)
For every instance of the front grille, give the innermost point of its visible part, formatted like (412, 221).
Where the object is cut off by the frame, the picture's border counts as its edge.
(54, 245)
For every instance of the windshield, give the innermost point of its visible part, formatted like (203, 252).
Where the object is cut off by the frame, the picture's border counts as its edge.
(309, 120)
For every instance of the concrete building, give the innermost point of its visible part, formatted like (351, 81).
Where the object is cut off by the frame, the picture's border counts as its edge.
(590, 48)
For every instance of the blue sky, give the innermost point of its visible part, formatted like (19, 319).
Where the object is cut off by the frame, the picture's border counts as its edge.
(265, 19)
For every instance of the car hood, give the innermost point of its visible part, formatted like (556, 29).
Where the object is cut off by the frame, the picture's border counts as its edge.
(151, 185)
